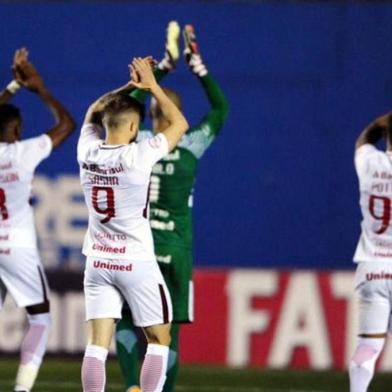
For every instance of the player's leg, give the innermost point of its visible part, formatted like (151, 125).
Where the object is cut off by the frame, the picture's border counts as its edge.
(150, 304)
(374, 315)
(173, 362)
(153, 372)
(128, 350)
(103, 307)
(176, 266)
(23, 276)
(100, 332)
(33, 346)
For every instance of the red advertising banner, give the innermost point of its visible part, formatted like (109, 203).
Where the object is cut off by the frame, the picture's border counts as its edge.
(273, 319)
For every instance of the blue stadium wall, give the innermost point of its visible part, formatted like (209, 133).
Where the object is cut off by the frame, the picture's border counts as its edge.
(278, 187)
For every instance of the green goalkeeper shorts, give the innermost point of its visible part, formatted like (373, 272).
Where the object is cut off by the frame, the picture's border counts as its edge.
(176, 266)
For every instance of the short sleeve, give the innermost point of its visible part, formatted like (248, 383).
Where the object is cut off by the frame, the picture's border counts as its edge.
(362, 158)
(149, 151)
(198, 139)
(31, 152)
(89, 134)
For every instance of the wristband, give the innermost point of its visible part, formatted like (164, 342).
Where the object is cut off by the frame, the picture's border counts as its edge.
(197, 66)
(13, 87)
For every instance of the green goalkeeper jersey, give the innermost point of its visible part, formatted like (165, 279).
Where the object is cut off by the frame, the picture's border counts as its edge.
(173, 178)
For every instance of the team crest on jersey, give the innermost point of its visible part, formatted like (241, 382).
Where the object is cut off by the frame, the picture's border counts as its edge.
(155, 142)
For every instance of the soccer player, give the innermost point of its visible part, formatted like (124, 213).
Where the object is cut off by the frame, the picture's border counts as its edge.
(374, 250)
(121, 264)
(171, 200)
(21, 272)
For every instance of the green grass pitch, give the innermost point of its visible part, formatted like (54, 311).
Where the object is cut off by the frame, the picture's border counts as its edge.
(64, 375)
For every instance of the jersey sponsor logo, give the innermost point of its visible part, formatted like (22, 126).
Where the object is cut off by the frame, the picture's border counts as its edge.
(155, 142)
(110, 236)
(112, 267)
(96, 169)
(109, 249)
(378, 276)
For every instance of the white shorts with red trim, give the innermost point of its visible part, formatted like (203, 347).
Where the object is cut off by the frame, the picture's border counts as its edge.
(373, 281)
(110, 282)
(22, 275)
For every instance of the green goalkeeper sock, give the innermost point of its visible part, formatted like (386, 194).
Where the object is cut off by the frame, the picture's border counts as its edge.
(127, 349)
(173, 363)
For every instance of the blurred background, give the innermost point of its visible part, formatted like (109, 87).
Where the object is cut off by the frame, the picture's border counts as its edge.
(276, 211)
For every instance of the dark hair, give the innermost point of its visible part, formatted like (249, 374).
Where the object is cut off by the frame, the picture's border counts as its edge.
(8, 113)
(120, 103)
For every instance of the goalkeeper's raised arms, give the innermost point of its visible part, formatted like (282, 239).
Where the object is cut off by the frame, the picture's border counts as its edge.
(191, 52)
(172, 46)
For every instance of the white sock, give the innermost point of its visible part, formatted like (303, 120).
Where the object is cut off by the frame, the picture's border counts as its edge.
(363, 362)
(32, 350)
(93, 369)
(153, 373)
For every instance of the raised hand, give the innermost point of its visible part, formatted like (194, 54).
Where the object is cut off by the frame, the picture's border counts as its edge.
(25, 72)
(142, 76)
(191, 52)
(172, 47)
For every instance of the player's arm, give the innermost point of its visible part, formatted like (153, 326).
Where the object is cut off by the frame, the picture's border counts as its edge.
(219, 107)
(375, 131)
(168, 63)
(8, 93)
(28, 76)
(93, 115)
(14, 86)
(143, 78)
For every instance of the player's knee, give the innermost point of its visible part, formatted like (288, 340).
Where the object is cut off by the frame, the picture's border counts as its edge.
(367, 352)
(163, 339)
(159, 335)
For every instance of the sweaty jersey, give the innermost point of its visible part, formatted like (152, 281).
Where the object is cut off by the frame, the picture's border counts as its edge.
(115, 181)
(18, 162)
(374, 169)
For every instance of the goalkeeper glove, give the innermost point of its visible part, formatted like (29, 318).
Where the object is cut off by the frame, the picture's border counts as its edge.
(172, 52)
(191, 52)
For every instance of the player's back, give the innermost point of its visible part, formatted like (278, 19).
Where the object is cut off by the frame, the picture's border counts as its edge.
(115, 181)
(374, 169)
(18, 162)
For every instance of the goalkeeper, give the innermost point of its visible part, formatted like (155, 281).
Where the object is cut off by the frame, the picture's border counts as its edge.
(171, 194)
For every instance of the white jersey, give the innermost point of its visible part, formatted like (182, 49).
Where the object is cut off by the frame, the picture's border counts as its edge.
(374, 169)
(115, 181)
(18, 162)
